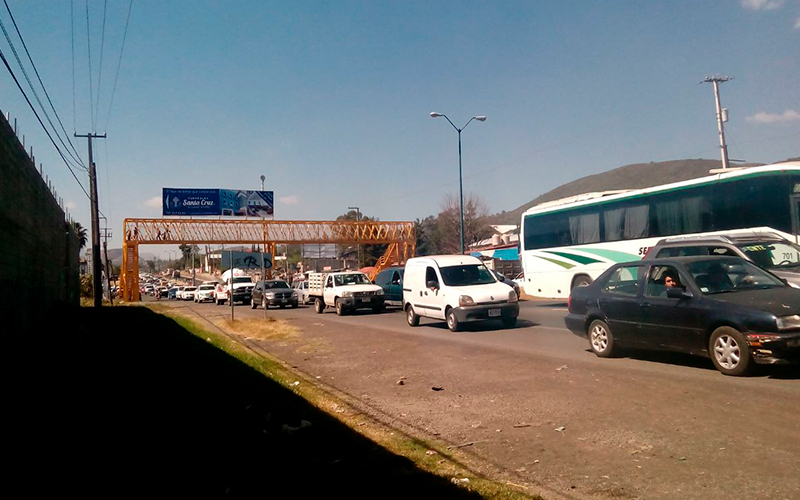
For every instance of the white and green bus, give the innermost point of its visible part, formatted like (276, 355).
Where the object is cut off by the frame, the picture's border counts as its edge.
(570, 242)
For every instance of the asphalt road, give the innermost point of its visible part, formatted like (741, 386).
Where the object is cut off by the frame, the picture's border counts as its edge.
(540, 406)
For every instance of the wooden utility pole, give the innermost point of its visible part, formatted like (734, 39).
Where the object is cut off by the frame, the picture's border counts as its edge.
(97, 284)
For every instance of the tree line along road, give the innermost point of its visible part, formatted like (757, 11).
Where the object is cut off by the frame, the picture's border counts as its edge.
(536, 403)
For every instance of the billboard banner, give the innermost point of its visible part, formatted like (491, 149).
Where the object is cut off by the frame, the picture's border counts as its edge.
(226, 202)
(246, 260)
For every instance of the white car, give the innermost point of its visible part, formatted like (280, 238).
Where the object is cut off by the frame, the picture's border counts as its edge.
(220, 294)
(457, 289)
(301, 287)
(179, 293)
(203, 293)
(188, 293)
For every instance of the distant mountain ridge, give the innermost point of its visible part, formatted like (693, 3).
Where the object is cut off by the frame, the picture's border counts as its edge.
(635, 176)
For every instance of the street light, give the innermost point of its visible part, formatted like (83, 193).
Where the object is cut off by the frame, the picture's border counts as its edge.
(358, 247)
(460, 183)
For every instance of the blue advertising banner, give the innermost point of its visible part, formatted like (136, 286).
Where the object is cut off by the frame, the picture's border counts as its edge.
(245, 260)
(227, 202)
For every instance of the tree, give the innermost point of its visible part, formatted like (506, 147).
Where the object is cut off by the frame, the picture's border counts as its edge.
(427, 236)
(187, 251)
(448, 228)
(151, 266)
(369, 253)
(80, 233)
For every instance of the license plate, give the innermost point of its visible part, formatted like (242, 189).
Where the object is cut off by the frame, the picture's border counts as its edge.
(365, 299)
(494, 312)
(284, 300)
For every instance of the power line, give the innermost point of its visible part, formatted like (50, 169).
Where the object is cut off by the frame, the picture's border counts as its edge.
(119, 63)
(100, 71)
(89, 47)
(33, 89)
(8, 67)
(72, 31)
(25, 46)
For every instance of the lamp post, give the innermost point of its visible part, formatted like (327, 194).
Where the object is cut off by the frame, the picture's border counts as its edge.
(460, 182)
(358, 247)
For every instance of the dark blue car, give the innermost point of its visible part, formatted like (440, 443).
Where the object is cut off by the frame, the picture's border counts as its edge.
(391, 280)
(725, 308)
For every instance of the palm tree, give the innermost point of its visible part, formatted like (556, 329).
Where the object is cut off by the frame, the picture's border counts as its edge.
(80, 232)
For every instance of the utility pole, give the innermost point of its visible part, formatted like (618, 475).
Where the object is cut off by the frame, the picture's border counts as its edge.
(722, 116)
(96, 280)
(106, 235)
(358, 247)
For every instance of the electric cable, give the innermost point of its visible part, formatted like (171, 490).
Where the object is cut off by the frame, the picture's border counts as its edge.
(119, 63)
(100, 71)
(89, 48)
(35, 94)
(47, 94)
(19, 86)
(72, 31)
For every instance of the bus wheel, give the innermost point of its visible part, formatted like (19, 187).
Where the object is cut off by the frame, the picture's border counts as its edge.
(581, 280)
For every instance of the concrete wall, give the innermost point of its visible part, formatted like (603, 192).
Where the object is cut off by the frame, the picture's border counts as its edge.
(38, 249)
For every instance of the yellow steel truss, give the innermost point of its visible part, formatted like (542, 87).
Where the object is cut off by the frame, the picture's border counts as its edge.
(399, 235)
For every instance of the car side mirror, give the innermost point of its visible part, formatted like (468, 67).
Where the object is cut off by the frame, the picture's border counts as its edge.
(678, 293)
(433, 284)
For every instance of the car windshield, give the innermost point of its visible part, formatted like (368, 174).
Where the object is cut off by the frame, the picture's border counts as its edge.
(351, 279)
(773, 254)
(190, 289)
(275, 284)
(206, 287)
(475, 274)
(730, 275)
(243, 279)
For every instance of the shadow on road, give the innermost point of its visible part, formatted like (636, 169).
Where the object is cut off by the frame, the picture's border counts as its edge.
(683, 359)
(128, 401)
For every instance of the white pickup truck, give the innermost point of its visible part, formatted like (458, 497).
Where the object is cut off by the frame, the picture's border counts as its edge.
(346, 291)
(242, 287)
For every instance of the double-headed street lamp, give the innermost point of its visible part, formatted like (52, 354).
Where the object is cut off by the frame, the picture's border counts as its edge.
(460, 183)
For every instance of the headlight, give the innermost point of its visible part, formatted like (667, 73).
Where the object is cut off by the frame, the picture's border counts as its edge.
(465, 300)
(379, 292)
(294, 295)
(512, 296)
(269, 295)
(788, 322)
(347, 294)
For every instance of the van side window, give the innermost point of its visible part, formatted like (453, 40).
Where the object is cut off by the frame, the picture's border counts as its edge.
(430, 275)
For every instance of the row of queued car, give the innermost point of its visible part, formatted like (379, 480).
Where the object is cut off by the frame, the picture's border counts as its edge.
(703, 296)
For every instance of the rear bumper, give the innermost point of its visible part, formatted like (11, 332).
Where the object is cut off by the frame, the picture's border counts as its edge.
(484, 312)
(576, 323)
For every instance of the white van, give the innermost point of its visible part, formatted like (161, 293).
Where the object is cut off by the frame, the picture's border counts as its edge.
(458, 289)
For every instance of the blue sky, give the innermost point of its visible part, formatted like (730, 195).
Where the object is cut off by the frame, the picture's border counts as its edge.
(331, 100)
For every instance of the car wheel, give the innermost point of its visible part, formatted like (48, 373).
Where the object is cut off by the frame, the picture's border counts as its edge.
(509, 322)
(411, 316)
(339, 308)
(729, 351)
(582, 281)
(452, 321)
(319, 305)
(601, 340)
(253, 304)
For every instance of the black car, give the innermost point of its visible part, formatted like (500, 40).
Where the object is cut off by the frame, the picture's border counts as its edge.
(273, 293)
(506, 281)
(725, 308)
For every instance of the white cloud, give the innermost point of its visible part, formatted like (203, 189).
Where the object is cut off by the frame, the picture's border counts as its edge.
(154, 202)
(762, 4)
(290, 200)
(789, 115)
